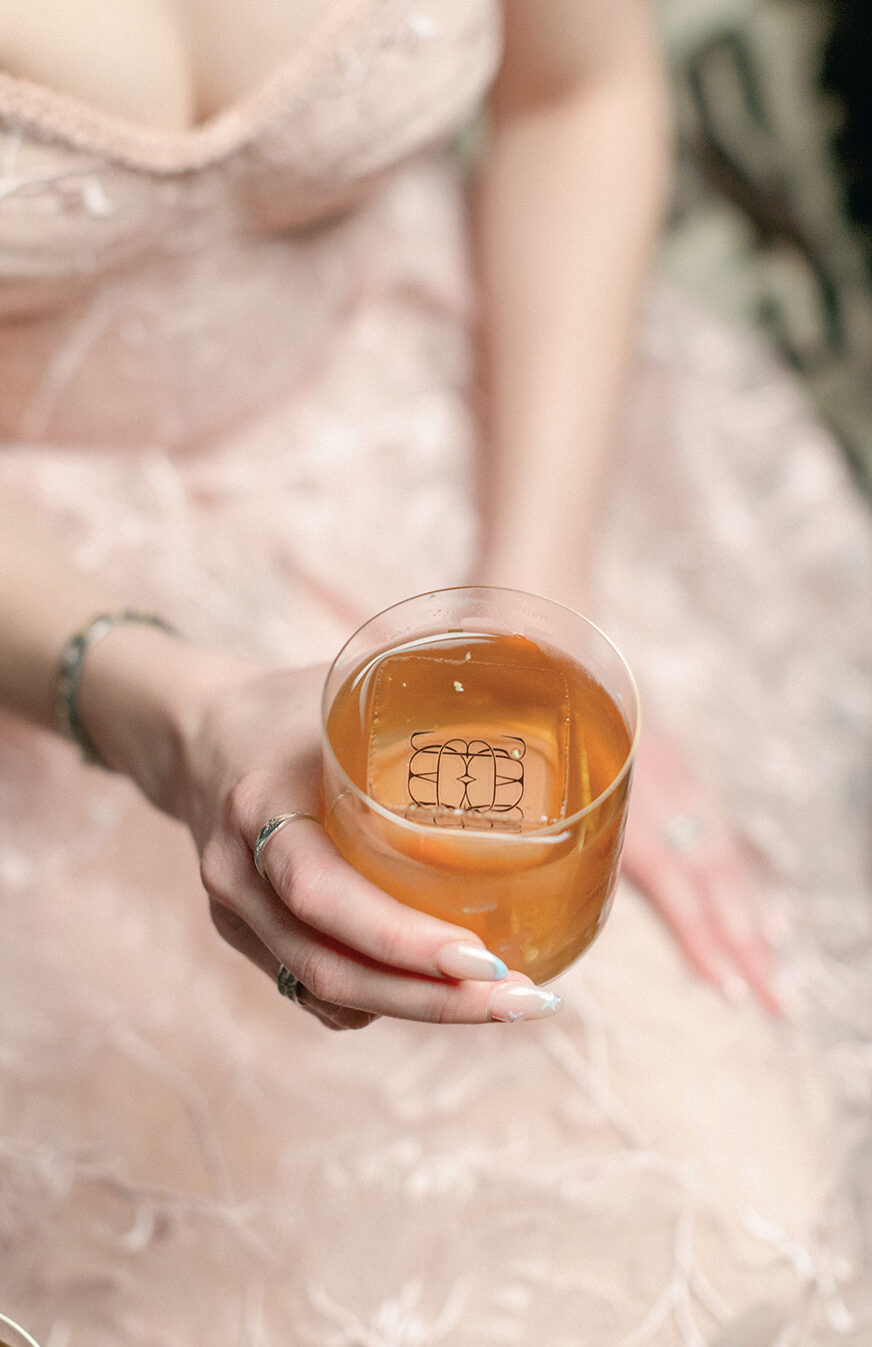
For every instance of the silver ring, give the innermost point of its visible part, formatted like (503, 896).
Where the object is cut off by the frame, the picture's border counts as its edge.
(269, 830)
(288, 985)
(685, 832)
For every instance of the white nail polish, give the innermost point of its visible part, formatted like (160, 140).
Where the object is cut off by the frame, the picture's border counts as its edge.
(523, 1003)
(464, 960)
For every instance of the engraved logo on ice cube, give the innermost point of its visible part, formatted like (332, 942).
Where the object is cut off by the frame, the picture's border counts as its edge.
(467, 775)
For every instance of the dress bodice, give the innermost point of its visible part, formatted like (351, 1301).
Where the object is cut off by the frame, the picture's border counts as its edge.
(160, 286)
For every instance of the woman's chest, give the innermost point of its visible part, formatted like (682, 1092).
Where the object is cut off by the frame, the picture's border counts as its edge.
(135, 264)
(375, 82)
(162, 64)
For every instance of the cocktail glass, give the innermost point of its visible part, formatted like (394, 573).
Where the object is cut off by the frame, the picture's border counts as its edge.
(478, 752)
(11, 1335)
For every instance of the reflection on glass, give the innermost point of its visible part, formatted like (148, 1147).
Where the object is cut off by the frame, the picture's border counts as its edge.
(11, 1335)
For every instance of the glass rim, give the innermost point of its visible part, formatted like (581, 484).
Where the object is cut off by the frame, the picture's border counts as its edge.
(552, 831)
(6, 1322)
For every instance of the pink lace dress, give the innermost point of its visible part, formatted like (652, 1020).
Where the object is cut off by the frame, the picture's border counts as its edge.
(235, 368)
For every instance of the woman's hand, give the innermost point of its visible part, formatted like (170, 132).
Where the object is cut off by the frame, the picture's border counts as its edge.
(681, 854)
(356, 951)
(246, 747)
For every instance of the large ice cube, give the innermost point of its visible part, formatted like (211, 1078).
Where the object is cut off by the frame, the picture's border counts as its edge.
(463, 735)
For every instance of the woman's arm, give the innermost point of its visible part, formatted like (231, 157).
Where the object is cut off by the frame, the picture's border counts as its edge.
(142, 687)
(568, 209)
(569, 204)
(224, 746)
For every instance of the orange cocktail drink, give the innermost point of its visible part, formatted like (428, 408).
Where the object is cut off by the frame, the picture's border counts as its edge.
(478, 755)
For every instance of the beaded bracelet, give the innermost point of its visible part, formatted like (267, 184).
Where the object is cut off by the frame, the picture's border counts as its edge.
(70, 673)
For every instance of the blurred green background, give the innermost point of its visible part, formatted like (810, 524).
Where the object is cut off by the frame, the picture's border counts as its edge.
(771, 212)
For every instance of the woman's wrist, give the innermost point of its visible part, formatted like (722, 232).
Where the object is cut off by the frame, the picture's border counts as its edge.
(141, 696)
(72, 664)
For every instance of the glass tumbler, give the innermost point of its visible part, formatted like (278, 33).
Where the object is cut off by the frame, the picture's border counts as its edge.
(478, 752)
(13, 1336)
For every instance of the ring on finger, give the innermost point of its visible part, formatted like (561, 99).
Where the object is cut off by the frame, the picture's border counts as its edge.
(685, 832)
(288, 985)
(269, 829)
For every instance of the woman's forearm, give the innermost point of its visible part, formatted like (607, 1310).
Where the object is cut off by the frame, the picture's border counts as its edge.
(138, 685)
(43, 600)
(567, 213)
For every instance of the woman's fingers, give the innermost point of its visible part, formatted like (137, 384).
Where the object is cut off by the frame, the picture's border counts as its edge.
(340, 984)
(702, 912)
(324, 893)
(734, 923)
(241, 937)
(356, 951)
(706, 906)
(682, 856)
(335, 975)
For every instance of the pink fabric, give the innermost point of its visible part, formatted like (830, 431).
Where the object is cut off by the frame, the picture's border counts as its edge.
(235, 374)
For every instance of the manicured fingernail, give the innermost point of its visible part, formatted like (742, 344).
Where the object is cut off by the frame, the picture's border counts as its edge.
(523, 1003)
(463, 960)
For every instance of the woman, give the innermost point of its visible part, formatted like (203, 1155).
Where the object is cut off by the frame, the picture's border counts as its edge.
(238, 339)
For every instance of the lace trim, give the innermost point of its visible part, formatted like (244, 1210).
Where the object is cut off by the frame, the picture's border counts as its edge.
(62, 116)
